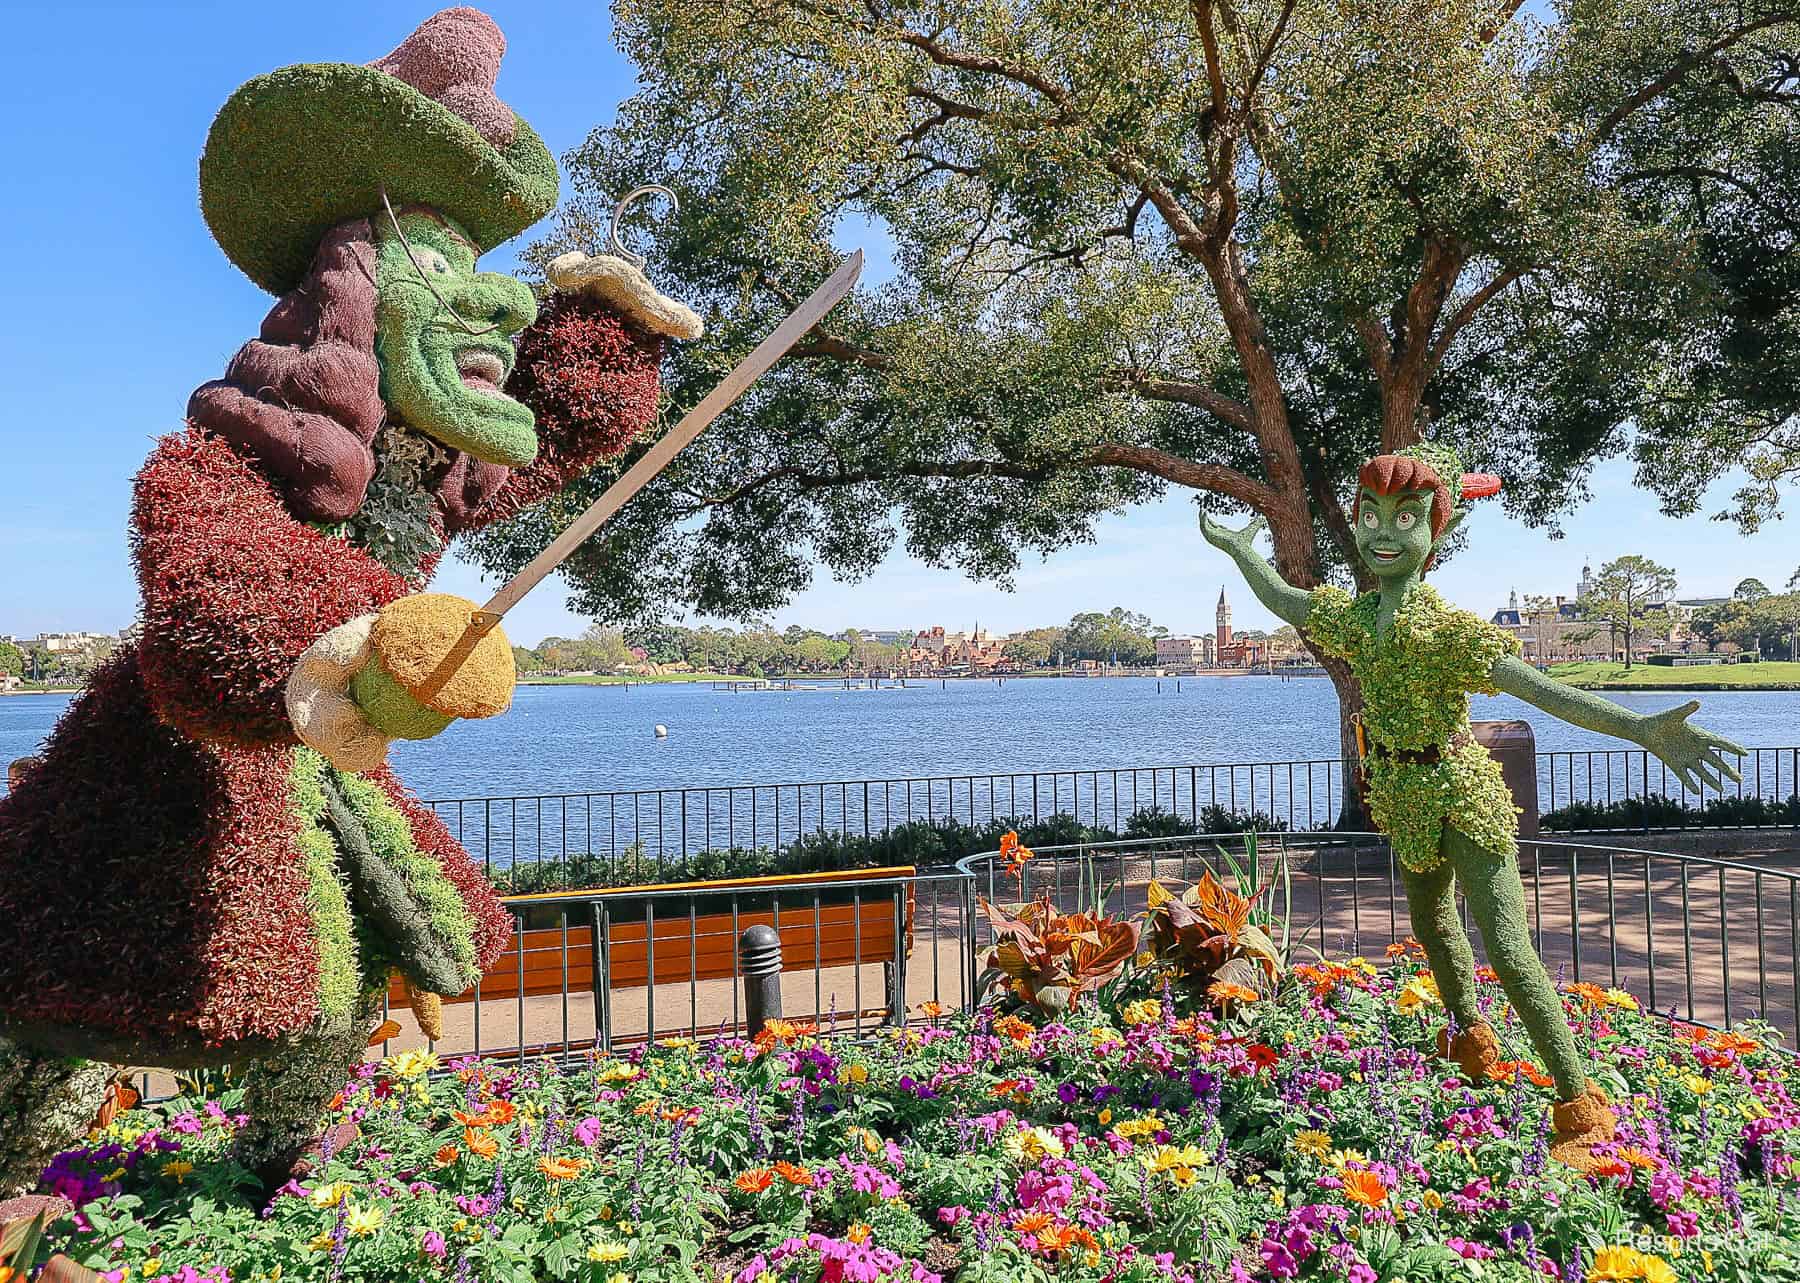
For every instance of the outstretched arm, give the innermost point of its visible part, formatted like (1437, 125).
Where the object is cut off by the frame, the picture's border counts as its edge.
(1698, 757)
(1288, 603)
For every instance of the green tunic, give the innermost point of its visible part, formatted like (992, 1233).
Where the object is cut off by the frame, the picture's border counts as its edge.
(1416, 682)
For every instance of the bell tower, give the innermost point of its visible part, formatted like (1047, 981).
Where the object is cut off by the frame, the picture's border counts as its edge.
(1222, 618)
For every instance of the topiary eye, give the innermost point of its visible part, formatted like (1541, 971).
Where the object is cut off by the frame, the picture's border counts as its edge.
(1406, 521)
(1369, 519)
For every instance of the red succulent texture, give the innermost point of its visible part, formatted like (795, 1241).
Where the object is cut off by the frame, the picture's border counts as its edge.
(149, 871)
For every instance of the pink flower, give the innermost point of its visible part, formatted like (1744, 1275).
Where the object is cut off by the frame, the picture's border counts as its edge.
(587, 1131)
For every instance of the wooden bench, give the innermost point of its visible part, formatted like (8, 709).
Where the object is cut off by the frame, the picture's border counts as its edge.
(685, 933)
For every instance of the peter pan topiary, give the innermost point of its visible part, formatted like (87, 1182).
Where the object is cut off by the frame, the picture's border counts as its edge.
(1431, 787)
(213, 863)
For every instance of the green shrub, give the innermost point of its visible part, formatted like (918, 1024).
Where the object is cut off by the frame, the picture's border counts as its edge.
(1659, 812)
(924, 843)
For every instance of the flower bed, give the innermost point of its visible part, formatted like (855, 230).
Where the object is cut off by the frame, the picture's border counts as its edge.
(1309, 1136)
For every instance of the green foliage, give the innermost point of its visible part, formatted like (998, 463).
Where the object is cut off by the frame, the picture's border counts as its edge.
(1765, 624)
(1116, 634)
(1659, 812)
(334, 928)
(12, 659)
(924, 843)
(1623, 593)
(296, 152)
(1131, 254)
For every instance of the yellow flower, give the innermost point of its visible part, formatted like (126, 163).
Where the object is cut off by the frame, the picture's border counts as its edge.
(153, 1266)
(1657, 1270)
(1619, 998)
(853, 1074)
(1313, 1144)
(321, 1242)
(1339, 1159)
(1138, 1128)
(1432, 1200)
(412, 1064)
(178, 1168)
(362, 1221)
(1179, 1163)
(607, 1252)
(330, 1195)
(1032, 1144)
(1696, 1084)
(1616, 1264)
(1145, 1011)
(616, 1072)
(1420, 991)
(619, 1277)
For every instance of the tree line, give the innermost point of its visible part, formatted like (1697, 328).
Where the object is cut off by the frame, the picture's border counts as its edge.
(1114, 636)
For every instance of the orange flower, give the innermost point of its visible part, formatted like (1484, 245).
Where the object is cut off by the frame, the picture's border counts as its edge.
(481, 1143)
(793, 1174)
(755, 1181)
(562, 1169)
(859, 1233)
(1590, 994)
(1055, 1239)
(1032, 1222)
(500, 1112)
(469, 1120)
(1225, 992)
(1395, 949)
(1014, 853)
(445, 1156)
(1365, 1188)
(1488, 975)
(1012, 1027)
(933, 1010)
(1639, 1158)
(1506, 1070)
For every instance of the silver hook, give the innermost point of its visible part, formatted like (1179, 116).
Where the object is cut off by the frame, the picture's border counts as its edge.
(420, 269)
(612, 235)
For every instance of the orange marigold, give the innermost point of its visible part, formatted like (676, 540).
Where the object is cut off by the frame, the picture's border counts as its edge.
(793, 1173)
(754, 1181)
(481, 1143)
(1365, 1188)
(445, 1156)
(562, 1169)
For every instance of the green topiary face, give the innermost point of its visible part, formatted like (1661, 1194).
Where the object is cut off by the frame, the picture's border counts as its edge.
(1393, 533)
(436, 376)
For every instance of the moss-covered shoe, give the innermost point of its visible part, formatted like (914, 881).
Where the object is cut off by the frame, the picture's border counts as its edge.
(1475, 1049)
(1581, 1124)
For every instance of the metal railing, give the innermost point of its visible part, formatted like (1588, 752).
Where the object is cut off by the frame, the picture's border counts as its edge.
(1707, 940)
(662, 827)
(1712, 941)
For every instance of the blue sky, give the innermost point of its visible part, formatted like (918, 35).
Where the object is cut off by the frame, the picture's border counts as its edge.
(119, 305)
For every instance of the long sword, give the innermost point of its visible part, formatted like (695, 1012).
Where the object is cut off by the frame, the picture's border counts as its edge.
(801, 320)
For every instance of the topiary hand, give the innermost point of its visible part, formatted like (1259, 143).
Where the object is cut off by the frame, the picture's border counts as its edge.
(1238, 543)
(1698, 757)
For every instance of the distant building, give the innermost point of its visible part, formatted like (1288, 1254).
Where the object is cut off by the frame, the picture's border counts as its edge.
(1230, 651)
(1181, 652)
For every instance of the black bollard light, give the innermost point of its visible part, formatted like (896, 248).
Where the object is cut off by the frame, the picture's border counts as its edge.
(759, 956)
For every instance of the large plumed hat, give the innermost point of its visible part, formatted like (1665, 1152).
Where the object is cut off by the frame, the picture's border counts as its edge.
(297, 151)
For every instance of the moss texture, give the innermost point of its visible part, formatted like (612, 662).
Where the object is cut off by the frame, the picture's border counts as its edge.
(297, 151)
(389, 708)
(46, 1104)
(339, 980)
(1497, 901)
(415, 917)
(419, 637)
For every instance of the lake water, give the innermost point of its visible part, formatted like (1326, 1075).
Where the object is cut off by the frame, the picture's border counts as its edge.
(573, 739)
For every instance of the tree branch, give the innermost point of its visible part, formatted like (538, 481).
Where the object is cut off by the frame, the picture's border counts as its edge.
(1466, 313)
(1679, 72)
(1217, 404)
(1198, 476)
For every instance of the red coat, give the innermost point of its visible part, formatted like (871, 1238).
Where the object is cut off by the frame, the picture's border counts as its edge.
(153, 894)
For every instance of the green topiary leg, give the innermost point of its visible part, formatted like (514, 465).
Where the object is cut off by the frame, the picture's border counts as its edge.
(1431, 899)
(46, 1105)
(286, 1094)
(1497, 901)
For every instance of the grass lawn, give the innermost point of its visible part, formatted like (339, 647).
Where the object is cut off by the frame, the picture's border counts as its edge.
(1768, 676)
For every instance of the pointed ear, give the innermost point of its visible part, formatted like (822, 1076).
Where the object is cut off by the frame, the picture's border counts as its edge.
(1456, 519)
